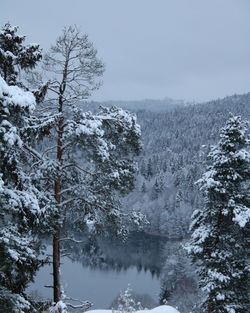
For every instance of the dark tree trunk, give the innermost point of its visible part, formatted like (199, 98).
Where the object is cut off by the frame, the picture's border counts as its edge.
(209, 309)
(56, 267)
(56, 238)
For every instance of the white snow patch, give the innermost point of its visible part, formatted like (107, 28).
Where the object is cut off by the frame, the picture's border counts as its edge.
(17, 96)
(241, 215)
(158, 309)
(59, 307)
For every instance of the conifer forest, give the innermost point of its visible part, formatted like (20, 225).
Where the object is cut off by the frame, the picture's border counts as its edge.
(119, 206)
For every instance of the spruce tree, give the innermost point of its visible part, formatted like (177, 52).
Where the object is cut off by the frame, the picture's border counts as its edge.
(21, 211)
(143, 188)
(155, 190)
(23, 207)
(149, 169)
(14, 55)
(220, 229)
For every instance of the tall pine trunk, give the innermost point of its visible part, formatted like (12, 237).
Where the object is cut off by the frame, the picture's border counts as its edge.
(56, 267)
(56, 238)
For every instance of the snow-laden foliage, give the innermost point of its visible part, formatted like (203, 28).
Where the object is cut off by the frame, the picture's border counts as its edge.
(22, 206)
(126, 303)
(97, 167)
(178, 279)
(59, 307)
(14, 55)
(175, 145)
(220, 229)
(21, 212)
(87, 160)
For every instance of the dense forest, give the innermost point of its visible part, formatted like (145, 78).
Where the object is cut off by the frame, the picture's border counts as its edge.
(176, 142)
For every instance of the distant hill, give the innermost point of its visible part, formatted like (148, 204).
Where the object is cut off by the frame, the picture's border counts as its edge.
(176, 137)
(162, 105)
(174, 156)
(152, 105)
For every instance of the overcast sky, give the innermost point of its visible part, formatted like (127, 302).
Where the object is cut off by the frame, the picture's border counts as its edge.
(184, 49)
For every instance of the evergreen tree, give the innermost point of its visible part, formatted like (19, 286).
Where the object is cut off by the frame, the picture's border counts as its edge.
(21, 212)
(161, 183)
(14, 55)
(143, 169)
(178, 178)
(220, 229)
(143, 187)
(126, 303)
(90, 157)
(149, 169)
(178, 279)
(22, 206)
(156, 190)
(164, 166)
(178, 199)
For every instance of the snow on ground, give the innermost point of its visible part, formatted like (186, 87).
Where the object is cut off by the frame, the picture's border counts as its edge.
(158, 309)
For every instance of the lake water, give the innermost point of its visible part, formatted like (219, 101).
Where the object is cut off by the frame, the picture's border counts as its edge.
(101, 269)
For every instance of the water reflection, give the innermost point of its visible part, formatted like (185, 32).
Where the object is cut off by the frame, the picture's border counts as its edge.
(143, 251)
(99, 268)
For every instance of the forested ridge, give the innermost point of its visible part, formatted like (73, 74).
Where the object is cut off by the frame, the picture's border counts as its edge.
(175, 148)
(176, 137)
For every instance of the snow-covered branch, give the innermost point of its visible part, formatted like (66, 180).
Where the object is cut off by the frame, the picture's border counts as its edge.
(81, 169)
(49, 149)
(32, 152)
(83, 304)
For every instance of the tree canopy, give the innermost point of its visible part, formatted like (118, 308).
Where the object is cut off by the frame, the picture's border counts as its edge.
(220, 229)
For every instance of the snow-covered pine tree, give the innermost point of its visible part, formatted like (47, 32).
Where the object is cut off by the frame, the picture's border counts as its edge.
(23, 207)
(155, 190)
(14, 55)
(149, 169)
(143, 187)
(20, 210)
(17, 59)
(89, 157)
(126, 302)
(220, 230)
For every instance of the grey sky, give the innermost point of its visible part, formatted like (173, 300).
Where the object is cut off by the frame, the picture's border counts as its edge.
(183, 49)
